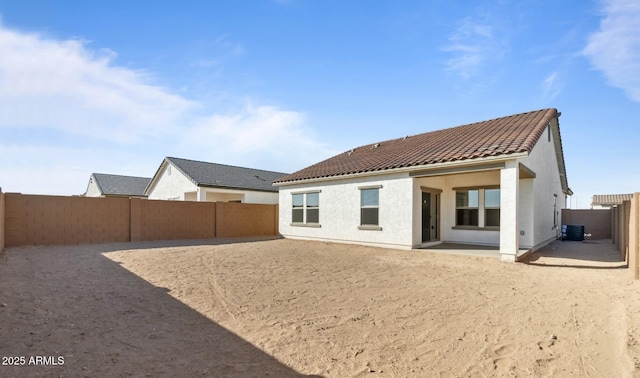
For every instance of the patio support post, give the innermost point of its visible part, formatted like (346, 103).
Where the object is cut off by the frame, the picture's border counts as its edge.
(509, 199)
(201, 195)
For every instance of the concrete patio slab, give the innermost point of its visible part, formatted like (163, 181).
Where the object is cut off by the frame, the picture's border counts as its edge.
(596, 254)
(468, 250)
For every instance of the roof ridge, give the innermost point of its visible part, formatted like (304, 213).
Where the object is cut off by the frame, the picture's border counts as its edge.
(225, 165)
(452, 128)
(113, 174)
(109, 183)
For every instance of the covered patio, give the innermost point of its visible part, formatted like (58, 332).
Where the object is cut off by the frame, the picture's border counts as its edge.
(478, 209)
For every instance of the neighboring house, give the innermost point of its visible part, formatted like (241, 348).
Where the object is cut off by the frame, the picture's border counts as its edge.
(190, 180)
(497, 183)
(607, 201)
(105, 185)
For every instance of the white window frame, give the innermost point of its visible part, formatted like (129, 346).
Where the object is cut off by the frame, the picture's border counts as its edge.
(305, 209)
(369, 227)
(460, 190)
(482, 208)
(491, 208)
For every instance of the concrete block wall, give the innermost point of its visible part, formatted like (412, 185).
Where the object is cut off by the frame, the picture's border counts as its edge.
(626, 233)
(621, 233)
(238, 219)
(627, 228)
(57, 220)
(169, 220)
(596, 222)
(1, 221)
(634, 236)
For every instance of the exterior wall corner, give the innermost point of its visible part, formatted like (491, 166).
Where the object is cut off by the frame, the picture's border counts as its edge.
(509, 201)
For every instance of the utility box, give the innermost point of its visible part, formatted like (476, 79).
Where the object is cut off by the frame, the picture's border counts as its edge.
(574, 232)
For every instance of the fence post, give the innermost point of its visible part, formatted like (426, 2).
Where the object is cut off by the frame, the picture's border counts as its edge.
(220, 219)
(2, 222)
(613, 225)
(135, 219)
(276, 220)
(634, 237)
(627, 226)
(215, 220)
(621, 231)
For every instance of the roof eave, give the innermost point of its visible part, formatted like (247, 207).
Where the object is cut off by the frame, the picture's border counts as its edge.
(456, 163)
(557, 138)
(155, 177)
(236, 188)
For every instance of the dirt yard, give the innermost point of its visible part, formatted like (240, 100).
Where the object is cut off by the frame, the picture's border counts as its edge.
(292, 308)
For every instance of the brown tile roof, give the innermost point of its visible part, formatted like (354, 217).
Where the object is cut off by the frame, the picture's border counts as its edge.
(610, 199)
(500, 136)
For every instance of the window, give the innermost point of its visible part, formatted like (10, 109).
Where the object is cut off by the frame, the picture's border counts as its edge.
(492, 207)
(298, 208)
(313, 208)
(478, 207)
(369, 201)
(305, 208)
(467, 207)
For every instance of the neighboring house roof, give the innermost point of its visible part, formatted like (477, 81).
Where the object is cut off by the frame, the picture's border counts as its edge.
(224, 176)
(610, 199)
(117, 185)
(501, 136)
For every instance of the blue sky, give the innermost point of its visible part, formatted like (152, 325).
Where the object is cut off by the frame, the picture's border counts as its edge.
(115, 86)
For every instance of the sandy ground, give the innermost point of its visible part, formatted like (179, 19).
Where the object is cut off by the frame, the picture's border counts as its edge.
(293, 308)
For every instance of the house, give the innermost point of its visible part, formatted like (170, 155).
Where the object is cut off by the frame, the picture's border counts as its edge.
(498, 183)
(607, 201)
(107, 185)
(190, 180)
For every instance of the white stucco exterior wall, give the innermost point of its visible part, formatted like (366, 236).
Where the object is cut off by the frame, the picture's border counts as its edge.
(244, 196)
(542, 160)
(526, 213)
(267, 198)
(92, 189)
(509, 210)
(172, 185)
(224, 196)
(339, 211)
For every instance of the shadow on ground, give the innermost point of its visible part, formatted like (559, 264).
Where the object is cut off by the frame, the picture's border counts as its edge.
(591, 254)
(74, 303)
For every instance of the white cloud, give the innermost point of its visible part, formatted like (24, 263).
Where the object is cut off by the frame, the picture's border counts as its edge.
(552, 86)
(63, 85)
(68, 111)
(256, 134)
(472, 44)
(615, 48)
